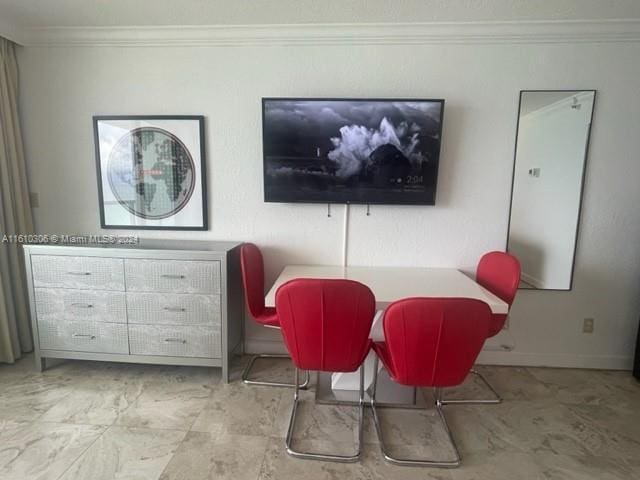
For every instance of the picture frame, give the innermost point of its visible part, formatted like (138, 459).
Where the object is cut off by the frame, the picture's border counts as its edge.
(151, 172)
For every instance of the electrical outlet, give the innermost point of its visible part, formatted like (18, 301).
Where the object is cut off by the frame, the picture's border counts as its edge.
(588, 325)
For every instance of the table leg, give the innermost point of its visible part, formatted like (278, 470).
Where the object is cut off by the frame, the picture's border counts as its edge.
(389, 393)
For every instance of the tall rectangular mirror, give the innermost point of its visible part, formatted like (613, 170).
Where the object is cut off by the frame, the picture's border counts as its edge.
(551, 148)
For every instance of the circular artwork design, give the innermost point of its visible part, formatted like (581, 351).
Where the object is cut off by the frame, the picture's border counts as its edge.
(151, 173)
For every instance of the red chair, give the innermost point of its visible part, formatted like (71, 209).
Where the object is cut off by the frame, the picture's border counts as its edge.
(325, 325)
(499, 273)
(430, 342)
(252, 267)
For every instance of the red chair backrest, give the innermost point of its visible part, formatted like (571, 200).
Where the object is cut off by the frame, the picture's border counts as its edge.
(434, 342)
(326, 323)
(499, 273)
(252, 267)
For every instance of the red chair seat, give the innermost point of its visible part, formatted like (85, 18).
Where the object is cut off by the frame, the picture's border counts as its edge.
(497, 322)
(268, 318)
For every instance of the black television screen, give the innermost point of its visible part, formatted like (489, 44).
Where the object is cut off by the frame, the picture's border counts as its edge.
(351, 151)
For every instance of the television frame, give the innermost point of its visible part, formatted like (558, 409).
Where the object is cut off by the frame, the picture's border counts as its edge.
(349, 99)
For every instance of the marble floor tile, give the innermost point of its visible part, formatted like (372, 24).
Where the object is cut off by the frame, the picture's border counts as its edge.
(21, 367)
(617, 436)
(278, 465)
(268, 370)
(110, 373)
(480, 429)
(499, 466)
(93, 406)
(378, 469)
(173, 406)
(206, 456)
(511, 383)
(545, 427)
(153, 422)
(611, 418)
(193, 376)
(240, 409)
(42, 451)
(534, 427)
(319, 422)
(622, 380)
(126, 453)
(563, 467)
(322, 422)
(31, 397)
(522, 466)
(415, 434)
(593, 387)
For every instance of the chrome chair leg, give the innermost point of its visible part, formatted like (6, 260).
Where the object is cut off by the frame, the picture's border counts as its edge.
(490, 401)
(413, 462)
(324, 456)
(247, 370)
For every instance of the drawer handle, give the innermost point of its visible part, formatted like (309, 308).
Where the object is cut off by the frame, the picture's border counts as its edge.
(174, 277)
(84, 274)
(82, 305)
(84, 335)
(175, 309)
(175, 340)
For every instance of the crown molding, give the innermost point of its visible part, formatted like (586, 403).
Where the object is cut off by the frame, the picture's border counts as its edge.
(553, 32)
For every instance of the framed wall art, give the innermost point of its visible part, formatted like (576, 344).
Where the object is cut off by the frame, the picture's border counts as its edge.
(151, 172)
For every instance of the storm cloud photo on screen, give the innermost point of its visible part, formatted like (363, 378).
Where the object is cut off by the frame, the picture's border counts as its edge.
(361, 151)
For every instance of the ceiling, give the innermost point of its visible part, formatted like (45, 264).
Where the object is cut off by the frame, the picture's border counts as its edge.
(25, 14)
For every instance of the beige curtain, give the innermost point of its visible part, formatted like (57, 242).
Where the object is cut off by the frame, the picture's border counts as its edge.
(15, 214)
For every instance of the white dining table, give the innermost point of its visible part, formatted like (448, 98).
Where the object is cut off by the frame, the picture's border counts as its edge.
(388, 284)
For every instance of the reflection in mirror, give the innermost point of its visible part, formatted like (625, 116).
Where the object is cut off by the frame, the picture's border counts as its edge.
(551, 148)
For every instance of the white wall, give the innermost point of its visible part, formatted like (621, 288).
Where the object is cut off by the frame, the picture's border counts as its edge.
(544, 209)
(62, 87)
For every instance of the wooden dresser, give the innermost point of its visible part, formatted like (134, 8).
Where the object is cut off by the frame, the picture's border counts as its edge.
(169, 302)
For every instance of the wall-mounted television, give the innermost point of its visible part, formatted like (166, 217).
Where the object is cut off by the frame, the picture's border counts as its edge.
(368, 151)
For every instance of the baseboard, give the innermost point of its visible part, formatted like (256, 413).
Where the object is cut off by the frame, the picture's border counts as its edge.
(522, 359)
(492, 357)
(262, 345)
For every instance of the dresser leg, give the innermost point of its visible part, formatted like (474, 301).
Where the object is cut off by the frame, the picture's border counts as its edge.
(225, 372)
(41, 364)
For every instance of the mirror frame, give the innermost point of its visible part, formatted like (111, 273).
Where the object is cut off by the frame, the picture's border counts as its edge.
(582, 181)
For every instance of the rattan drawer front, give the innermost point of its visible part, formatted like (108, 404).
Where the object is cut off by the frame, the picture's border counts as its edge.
(72, 304)
(78, 272)
(83, 336)
(173, 276)
(173, 309)
(175, 341)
